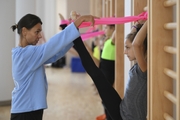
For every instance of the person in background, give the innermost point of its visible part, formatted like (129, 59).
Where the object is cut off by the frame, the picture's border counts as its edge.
(107, 60)
(28, 60)
(62, 61)
(94, 50)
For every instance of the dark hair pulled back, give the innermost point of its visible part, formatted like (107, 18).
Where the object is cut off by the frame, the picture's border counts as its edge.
(111, 25)
(28, 21)
(131, 37)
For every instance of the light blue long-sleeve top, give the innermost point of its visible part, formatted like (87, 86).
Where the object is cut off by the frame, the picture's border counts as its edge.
(30, 91)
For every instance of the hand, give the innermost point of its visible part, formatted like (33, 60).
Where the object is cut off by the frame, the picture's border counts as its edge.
(141, 21)
(74, 15)
(85, 18)
(61, 16)
(144, 16)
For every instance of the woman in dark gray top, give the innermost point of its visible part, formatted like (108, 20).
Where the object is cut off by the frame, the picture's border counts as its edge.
(134, 104)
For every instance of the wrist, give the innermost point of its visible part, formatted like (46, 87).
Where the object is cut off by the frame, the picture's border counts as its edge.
(78, 21)
(141, 22)
(138, 22)
(133, 29)
(136, 27)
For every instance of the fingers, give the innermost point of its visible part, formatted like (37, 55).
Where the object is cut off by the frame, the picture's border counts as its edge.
(78, 15)
(93, 20)
(61, 16)
(73, 15)
(85, 18)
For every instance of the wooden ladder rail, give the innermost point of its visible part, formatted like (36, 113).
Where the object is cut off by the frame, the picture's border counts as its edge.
(159, 84)
(178, 59)
(174, 50)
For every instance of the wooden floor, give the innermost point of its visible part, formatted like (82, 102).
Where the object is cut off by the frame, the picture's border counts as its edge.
(71, 96)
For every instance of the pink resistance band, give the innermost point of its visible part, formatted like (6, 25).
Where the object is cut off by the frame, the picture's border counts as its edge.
(64, 22)
(91, 28)
(86, 36)
(107, 21)
(119, 20)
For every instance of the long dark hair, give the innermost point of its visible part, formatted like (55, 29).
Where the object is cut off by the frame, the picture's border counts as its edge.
(28, 21)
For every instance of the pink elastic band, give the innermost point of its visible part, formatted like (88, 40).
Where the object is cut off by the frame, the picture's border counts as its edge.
(119, 20)
(64, 22)
(91, 29)
(113, 21)
(86, 36)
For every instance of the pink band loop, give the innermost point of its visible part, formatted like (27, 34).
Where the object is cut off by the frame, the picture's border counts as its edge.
(92, 34)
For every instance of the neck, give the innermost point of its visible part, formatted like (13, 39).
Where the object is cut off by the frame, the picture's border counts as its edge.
(22, 43)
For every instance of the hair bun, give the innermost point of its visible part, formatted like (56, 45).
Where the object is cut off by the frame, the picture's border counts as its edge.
(14, 27)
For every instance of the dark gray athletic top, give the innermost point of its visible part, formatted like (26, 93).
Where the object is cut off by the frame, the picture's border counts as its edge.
(134, 104)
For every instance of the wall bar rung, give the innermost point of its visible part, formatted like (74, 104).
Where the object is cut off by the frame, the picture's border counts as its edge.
(170, 73)
(170, 49)
(170, 26)
(170, 96)
(167, 117)
(169, 3)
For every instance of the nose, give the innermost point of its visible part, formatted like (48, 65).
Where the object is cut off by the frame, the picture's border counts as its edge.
(39, 35)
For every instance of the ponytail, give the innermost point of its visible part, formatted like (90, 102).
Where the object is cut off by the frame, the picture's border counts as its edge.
(28, 21)
(13, 27)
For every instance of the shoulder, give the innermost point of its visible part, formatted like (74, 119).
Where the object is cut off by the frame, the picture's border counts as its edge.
(136, 70)
(141, 73)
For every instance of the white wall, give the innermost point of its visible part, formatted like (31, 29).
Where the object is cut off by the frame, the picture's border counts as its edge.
(39, 10)
(7, 42)
(83, 8)
(127, 29)
(49, 23)
(45, 9)
(23, 7)
(65, 7)
(61, 7)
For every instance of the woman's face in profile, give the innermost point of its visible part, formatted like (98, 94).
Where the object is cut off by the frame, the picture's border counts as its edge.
(33, 35)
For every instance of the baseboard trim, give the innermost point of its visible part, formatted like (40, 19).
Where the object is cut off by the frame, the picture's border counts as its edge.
(5, 103)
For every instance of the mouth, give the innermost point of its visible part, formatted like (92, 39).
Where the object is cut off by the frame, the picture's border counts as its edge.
(37, 41)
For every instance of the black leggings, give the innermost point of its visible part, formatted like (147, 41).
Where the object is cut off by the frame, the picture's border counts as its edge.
(108, 94)
(107, 67)
(33, 115)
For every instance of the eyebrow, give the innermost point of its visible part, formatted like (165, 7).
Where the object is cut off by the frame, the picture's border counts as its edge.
(39, 29)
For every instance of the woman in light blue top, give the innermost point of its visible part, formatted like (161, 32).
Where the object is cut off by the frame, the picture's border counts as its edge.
(30, 91)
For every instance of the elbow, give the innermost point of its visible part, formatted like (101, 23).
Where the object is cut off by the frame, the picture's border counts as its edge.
(136, 45)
